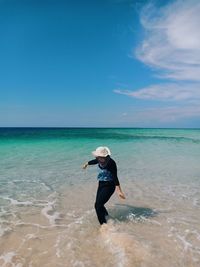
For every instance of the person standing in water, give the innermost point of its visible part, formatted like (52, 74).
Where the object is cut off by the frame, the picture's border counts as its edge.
(108, 180)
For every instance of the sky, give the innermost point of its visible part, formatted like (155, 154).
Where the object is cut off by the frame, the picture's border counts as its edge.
(100, 63)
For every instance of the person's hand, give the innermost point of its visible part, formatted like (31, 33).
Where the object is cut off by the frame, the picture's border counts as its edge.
(121, 195)
(85, 166)
(119, 192)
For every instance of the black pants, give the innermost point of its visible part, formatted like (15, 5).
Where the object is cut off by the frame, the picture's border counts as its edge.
(104, 192)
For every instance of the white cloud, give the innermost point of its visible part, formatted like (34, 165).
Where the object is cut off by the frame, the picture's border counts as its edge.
(161, 115)
(171, 47)
(169, 114)
(172, 42)
(166, 92)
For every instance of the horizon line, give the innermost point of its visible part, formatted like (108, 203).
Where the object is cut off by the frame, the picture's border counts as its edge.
(93, 127)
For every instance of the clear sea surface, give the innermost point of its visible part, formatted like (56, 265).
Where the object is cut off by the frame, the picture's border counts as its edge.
(47, 215)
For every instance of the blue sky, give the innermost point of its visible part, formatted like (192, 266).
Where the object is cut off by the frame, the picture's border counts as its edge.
(106, 63)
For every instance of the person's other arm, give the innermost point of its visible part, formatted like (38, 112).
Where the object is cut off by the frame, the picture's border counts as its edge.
(113, 169)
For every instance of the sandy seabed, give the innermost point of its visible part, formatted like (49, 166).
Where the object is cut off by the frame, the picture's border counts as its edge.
(157, 225)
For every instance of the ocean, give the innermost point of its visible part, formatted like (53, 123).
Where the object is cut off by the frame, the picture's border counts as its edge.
(47, 215)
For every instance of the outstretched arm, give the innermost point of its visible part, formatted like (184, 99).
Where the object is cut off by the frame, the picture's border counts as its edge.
(91, 162)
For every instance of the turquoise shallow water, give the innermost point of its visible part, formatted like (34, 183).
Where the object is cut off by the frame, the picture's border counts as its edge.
(42, 186)
(56, 154)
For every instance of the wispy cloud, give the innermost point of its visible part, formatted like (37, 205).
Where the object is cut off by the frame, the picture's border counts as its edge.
(160, 115)
(172, 43)
(171, 47)
(166, 92)
(169, 114)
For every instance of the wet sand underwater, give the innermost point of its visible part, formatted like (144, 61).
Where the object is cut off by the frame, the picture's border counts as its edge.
(155, 226)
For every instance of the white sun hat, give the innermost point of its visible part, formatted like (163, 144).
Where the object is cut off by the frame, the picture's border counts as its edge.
(102, 151)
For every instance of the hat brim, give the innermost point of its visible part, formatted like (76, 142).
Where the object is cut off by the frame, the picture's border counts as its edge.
(99, 155)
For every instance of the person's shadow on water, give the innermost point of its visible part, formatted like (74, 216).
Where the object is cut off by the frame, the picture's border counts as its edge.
(124, 212)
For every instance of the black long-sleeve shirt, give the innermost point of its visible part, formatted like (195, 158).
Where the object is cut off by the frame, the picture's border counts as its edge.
(111, 166)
